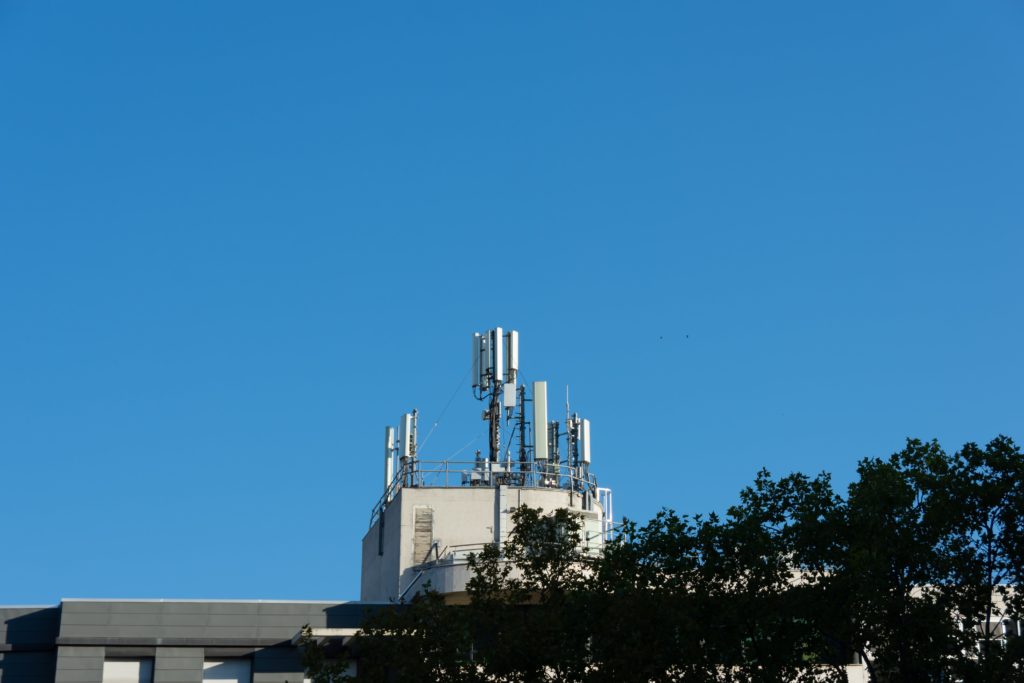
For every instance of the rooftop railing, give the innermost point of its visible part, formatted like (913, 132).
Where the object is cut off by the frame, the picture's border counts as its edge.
(426, 473)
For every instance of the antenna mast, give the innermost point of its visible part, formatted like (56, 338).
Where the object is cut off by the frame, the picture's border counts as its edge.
(495, 373)
(495, 365)
(523, 464)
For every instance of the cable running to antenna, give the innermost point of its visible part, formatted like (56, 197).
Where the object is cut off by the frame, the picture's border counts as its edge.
(446, 406)
(470, 443)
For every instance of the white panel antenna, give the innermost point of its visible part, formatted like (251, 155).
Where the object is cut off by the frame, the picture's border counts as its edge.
(486, 361)
(540, 420)
(405, 436)
(585, 441)
(389, 456)
(476, 359)
(510, 395)
(512, 354)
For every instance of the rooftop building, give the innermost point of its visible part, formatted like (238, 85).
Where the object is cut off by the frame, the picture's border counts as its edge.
(431, 515)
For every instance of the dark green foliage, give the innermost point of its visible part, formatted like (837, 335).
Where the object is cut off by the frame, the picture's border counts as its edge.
(889, 569)
(320, 668)
(983, 495)
(921, 559)
(529, 600)
(423, 641)
(791, 584)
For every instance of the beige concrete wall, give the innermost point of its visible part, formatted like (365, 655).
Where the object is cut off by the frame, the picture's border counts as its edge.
(465, 518)
(380, 571)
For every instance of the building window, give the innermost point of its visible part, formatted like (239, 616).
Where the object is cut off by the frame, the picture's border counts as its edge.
(128, 671)
(228, 671)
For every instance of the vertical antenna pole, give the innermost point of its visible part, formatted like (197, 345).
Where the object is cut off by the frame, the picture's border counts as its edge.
(406, 447)
(568, 437)
(412, 439)
(566, 404)
(551, 475)
(494, 417)
(495, 347)
(412, 445)
(522, 434)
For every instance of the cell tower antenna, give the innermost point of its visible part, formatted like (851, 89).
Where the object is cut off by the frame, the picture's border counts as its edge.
(495, 369)
(568, 430)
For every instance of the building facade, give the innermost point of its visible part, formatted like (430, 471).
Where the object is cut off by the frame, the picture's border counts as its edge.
(164, 641)
(432, 514)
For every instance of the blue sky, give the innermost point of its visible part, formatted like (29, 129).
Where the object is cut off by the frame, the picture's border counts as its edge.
(237, 239)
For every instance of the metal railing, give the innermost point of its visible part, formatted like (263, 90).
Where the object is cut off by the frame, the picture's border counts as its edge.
(453, 554)
(425, 473)
(459, 553)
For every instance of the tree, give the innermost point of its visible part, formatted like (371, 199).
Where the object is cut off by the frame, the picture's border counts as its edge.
(765, 600)
(982, 492)
(906, 571)
(319, 666)
(528, 601)
(422, 640)
(889, 570)
(419, 640)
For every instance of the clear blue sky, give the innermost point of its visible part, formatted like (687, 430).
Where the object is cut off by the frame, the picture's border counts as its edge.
(237, 239)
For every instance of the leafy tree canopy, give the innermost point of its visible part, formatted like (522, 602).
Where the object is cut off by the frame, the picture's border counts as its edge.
(911, 573)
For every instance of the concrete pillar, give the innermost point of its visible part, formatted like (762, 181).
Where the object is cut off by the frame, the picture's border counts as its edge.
(178, 665)
(79, 664)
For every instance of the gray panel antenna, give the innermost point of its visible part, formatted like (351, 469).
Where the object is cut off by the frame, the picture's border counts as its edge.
(540, 421)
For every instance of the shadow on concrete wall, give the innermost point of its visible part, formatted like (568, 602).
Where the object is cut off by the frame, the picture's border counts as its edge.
(28, 650)
(348, 615)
